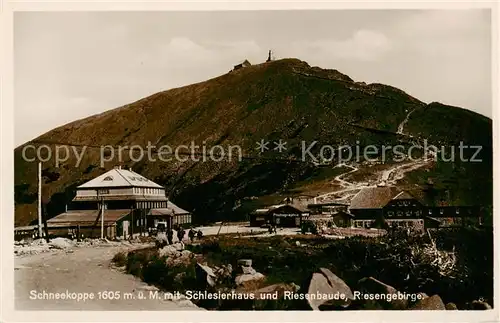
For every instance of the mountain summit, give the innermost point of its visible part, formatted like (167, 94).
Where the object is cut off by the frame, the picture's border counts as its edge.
(284, 100)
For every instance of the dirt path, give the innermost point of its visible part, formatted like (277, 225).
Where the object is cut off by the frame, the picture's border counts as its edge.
(387, 177)
(85, 270)
(403, 123)
(339, 178)
(392, 175)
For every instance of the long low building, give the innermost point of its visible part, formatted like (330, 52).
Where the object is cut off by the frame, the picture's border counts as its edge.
(373, 206)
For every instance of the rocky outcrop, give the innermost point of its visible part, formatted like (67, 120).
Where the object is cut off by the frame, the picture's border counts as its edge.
(171, 250)
(480, 305)
(183, 257)
(327, 283)
(451, 307)
(224, 272)
(62, 243)
(205, 276)
(247, 273)
(370, 285)
(241, 279)
(430, 303)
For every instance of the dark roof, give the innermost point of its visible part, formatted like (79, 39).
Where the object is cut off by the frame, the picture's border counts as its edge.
(404, 195)
(245, 62)
(168, 210)
(299, 207)
(26, 228)
(86, 217)
(313, 205)
(142, 198)
(343, 213)
(373, 197)
(279, 206)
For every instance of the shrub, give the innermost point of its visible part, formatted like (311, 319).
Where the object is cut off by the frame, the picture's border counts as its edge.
(138, 259)
(120, 259)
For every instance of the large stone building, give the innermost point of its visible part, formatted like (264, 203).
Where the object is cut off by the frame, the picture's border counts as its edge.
(124, 200)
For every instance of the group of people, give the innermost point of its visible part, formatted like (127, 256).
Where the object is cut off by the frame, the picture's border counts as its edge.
(272, 228)
(192, 233)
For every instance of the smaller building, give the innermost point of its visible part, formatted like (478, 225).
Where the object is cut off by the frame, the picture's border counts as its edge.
(172, 215)
(282, 215)
(243, 64)
(342, 219)
(25, 232)
(328, 208)
(87, 223)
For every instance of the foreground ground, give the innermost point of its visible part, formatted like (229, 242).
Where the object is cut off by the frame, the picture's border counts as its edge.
(85, 270)
(452, 267)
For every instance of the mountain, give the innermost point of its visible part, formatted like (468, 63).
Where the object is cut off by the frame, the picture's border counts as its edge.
(285, 99)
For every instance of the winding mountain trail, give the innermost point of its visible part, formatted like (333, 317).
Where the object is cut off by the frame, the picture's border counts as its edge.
(392, 175)
(385, 177)
(343, 182)
(403, 123)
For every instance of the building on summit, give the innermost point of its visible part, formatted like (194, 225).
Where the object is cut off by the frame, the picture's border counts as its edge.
(243, 64)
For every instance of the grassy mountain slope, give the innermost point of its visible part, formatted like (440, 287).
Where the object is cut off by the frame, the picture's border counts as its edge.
(285, 99)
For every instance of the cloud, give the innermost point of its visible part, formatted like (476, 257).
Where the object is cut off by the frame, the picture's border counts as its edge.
(187, 51)
(363, 45)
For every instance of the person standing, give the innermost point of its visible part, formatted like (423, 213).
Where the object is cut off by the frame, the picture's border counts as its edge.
(180, 234)
(191, 234)
(170, 236)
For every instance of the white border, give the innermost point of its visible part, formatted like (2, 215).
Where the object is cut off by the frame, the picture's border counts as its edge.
(7, 312)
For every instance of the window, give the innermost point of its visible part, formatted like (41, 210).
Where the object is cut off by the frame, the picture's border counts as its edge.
(390, 213)
(457, 211)
(108, 178)
(441, 211)
(430, 211)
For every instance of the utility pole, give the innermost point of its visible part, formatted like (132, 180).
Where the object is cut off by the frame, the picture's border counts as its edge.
(102, 219)
(40, 199)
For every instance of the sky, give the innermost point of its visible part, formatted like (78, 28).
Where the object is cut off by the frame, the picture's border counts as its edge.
(69, 65)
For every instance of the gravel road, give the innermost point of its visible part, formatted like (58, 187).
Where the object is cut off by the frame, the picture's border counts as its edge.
(84, 270)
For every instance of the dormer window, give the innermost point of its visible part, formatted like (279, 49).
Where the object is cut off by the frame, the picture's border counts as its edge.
(108, 178)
